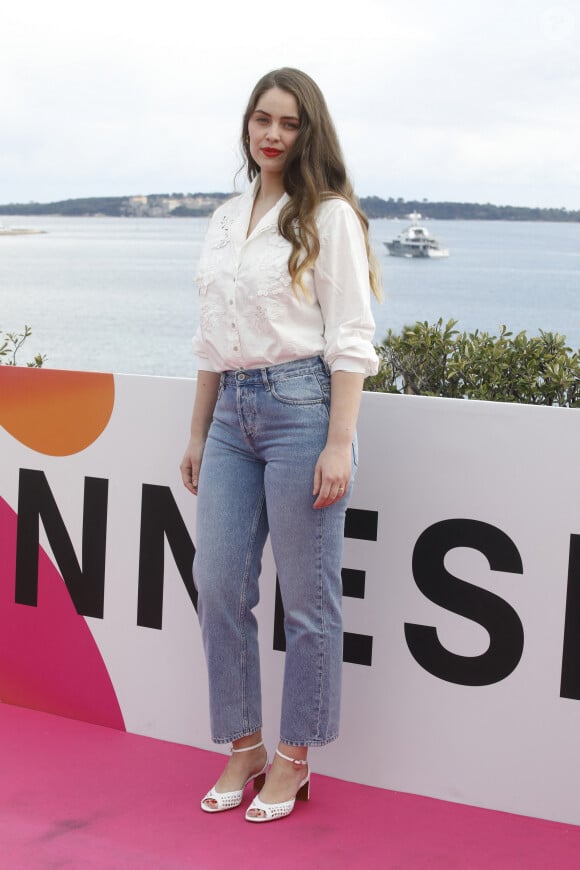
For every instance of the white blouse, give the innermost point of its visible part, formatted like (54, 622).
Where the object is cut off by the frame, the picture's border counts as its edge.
(249, 315)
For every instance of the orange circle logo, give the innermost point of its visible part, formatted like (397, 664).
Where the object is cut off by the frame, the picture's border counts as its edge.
(55, 412)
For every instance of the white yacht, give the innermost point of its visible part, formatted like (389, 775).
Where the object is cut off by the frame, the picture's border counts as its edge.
(416, 241)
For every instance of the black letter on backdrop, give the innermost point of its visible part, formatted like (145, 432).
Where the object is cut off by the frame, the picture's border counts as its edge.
(357, 649)
(570, 677)
(160, 519)
(485, 608)
(86, 586)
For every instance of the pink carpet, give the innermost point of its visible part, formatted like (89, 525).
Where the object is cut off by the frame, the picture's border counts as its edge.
(85, 796)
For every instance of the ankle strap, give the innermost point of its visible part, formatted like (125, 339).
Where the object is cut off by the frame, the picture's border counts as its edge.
(247, 748)
(298, 761)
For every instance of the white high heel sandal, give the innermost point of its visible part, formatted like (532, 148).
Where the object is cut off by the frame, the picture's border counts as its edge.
(229, 800)
(278, 811)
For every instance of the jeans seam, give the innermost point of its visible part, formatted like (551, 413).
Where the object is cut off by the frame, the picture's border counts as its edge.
(243, 606)
(319, 579)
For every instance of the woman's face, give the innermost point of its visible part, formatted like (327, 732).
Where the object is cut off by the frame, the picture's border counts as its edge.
(272, 128)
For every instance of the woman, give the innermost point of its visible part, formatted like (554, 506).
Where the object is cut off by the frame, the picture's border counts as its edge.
(284, 345)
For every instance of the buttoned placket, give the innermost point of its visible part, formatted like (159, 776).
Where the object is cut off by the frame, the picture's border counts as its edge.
(232, 306)
(236, 247)
(239, 244)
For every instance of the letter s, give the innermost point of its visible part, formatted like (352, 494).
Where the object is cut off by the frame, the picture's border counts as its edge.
(488, 610)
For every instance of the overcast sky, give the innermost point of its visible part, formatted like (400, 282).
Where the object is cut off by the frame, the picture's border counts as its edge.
(462, 100)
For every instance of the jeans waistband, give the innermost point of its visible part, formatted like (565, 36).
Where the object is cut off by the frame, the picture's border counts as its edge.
(266, 375)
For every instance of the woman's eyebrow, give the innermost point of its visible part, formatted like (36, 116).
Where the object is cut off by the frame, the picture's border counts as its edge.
(284, 117)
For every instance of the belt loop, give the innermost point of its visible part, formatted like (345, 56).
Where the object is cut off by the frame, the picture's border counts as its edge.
(265, 379)
(325, 364)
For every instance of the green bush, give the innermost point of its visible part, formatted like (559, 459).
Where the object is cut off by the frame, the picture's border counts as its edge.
(10, 344)
(438, 360)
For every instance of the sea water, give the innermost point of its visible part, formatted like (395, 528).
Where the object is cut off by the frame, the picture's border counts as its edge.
(118, 294)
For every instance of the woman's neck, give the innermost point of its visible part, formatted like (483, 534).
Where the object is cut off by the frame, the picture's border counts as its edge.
(271, 188)
(267, 195)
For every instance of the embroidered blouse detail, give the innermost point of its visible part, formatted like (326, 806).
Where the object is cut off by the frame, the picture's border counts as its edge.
(225, 226)
(249, 314)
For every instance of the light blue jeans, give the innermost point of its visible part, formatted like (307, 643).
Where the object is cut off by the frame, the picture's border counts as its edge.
(257, 474)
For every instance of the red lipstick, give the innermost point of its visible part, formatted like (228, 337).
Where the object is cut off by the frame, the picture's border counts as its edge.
(271, 152)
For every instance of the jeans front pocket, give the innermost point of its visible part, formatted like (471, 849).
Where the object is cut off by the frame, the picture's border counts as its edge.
(299, 389)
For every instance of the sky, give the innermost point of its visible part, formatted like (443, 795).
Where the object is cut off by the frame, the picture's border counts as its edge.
(458, 100)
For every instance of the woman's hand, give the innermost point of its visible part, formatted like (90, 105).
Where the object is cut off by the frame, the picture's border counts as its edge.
(333, 469)
(191, 462)
(203, 407)
(332, 475)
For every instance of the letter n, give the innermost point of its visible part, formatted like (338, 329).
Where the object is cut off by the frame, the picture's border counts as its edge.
(36, 502)
(160, 519)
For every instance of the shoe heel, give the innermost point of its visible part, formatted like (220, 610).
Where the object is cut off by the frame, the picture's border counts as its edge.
(259, 781)
(303, 793)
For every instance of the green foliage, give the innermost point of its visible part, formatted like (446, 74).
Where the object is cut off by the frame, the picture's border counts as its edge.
(10, 344)
(439, 360)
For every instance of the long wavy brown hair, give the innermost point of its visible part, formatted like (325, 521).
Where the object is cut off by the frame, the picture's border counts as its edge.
(313, 172)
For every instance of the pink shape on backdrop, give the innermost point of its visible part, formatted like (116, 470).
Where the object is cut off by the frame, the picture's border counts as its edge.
(49, 659)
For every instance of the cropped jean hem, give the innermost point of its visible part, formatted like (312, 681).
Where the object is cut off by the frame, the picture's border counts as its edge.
(311, 743)
(244, 733)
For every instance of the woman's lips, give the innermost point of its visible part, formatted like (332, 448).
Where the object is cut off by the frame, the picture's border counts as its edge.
(271, 152)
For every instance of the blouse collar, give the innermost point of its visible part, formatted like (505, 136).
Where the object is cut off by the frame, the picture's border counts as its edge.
(268, 220)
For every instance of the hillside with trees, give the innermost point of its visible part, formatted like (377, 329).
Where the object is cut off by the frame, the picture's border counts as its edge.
(203, 204)
(374, 207)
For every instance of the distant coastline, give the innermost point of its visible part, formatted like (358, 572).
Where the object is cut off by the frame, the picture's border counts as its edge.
(176, 205)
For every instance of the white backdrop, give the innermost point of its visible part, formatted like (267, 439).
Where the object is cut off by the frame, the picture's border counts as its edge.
(502, 482)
